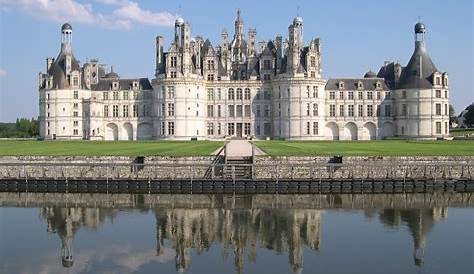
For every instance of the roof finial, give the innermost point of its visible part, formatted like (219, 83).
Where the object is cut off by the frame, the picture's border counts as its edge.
(238, 13)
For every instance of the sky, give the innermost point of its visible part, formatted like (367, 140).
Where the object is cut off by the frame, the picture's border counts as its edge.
(356, 36)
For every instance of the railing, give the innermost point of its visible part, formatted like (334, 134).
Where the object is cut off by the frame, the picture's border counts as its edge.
(260, 171)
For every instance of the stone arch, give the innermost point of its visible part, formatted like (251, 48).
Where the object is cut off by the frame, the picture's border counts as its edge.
(111, 132)
(350, 131)
(128, 131)
(388, 130)
(369, 131)
(144, 131)
(332, 131)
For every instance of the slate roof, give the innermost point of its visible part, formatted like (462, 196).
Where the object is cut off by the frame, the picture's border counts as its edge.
(351, 83)
(419, 70)
(58, 70)
(124, 84)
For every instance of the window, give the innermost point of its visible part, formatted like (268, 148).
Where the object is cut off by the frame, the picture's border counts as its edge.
(230, 129)
(231, 110)
(135, 110)
(438, 81)
(313, 61)
(387, 95)
(332, 110)
(267, 64)
(76, 105)
(350, 95)
(369, 95)
(106, 111)
(267, 129)
(239, 94)
(360, 95)
(76, 132)
(445, 127)
(75, 114)
(163, 109)
(257, 94)
(313, 74)
(445, 94)
(350, 110)
(75, 123)
(308, 128)
(388, 110)
(173, 74)
(438, 109)
(170, 92)
(105, 95)
(266, 77)
(210, 129)
(404, 109)
(341, 110)
(438, 127)
(170, 128)
(257, 110)
(267, 95)
(125, 95)
(266, 111)
(230, 94)
(438, 93)
(75, 81)
(115, 95)
(247, 94)
(315, 110)
(239, 110)
(332, 95)
(370, 110)
(125, 110)
(247, 110)
(315, 92)
(210, 77)
(210, 64)
(218, 110)
(115, 111)
(210, 111)
(210, 94)
(170, 109)
(360, 111)
(315, 128)
(247, 129)
(219, 129)
(162, 128)
(341, 95)
(219, 95)
(446, 109)
(378, 95)
(308, 109)
(257, 129)
(173, 62)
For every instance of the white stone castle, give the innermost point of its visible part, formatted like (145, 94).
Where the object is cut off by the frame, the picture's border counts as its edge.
(244, 88)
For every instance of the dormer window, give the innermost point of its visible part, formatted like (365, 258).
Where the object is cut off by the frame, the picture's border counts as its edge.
(438, 81)
(341, 84)
(114, 85)
(378, 85)
(359, 85)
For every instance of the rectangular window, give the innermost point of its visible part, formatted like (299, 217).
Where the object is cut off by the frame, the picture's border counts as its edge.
(257, 129)
(162, 128)
(230, 94)
(75, 123)
(76, 105)
(257, 94)
(257, 110)
(445, 94)
(308, 128)
(231, 110)
(219, 129)
(239, 110)
(350, 110)
(76, 94)
(210, 110)
(378, 95)
(76, 132)
(341, 95)
(247, 129)
(267, 95)
(438, 93)
(308, 109)
(173, 61)
(388, 110)
(230, 129)
(313, 61)
(105, 95)
(266, 77)
(404, 109)
(219, 94)
(210, 129)
(210, 94)
(445, 127)
(135, 95)
(115, 95)
(369, 95)
(135, 110)
(315, 110)
(266, 111)
(106, 111)
(438, 81)
(125, 110)
(332, 110)
(173, 74)
(315, 92)
(247, 94)
(210, 77)
(239, 94)
(438, 127)
(170, 128)
(360, 95)
(115, 110)
(210, 64)
(170, 92)
(266, 64)
(247, 110)
(446, 109)
(75, 114)
(75, 81)
(370, 110)
(360, 111)
(125, 95)
(350, 95)
(267, 129)
(332, 95)
(315, 128)
(170, 109)
(438, 109)
(218, 110)
(341, 110)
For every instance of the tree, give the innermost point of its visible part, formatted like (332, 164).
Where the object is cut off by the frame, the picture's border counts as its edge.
(452, 115)
(469, 116)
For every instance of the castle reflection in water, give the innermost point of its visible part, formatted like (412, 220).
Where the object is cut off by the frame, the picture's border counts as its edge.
(240, 231)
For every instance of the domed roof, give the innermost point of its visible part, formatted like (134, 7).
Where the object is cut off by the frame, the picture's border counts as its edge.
(66, 26)
(112, 74)
(67, 261)
(298, 20)
(420, 28)
(179, 21)
(370, 74)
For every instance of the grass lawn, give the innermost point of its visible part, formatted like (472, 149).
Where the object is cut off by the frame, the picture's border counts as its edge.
(101, 148)
(368, 148)
(461, 131)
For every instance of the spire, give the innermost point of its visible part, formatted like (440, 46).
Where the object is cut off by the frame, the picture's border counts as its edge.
(239, 25)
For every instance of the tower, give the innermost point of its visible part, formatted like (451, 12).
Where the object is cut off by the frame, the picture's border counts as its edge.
(295, 43)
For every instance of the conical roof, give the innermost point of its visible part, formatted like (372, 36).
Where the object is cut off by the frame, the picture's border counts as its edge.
(419, 69)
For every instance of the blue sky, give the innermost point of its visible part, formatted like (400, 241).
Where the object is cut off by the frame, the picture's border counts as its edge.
(356, 36)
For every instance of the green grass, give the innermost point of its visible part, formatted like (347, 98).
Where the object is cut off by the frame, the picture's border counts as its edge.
(461, 131)
(368, 148)
(100, 148)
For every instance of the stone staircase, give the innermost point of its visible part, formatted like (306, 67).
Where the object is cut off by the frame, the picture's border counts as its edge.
(239, 166)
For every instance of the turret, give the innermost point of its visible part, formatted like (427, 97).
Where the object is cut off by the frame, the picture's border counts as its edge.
(252, 41)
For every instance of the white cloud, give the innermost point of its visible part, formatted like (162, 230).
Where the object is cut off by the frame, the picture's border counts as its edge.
(3, 72)
(126, 13)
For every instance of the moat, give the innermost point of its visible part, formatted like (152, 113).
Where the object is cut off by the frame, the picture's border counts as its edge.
(321, 233)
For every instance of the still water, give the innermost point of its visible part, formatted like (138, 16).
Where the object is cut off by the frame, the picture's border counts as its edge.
(99, 233)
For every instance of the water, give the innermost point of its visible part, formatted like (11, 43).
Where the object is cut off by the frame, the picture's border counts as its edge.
(99, 233)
